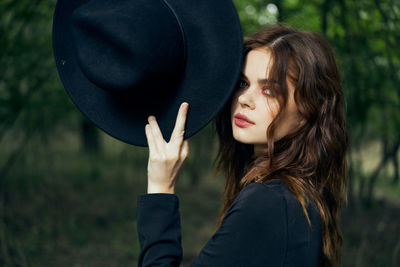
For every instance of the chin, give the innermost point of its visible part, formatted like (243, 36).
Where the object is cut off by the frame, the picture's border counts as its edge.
(246, 138)
(243, 140)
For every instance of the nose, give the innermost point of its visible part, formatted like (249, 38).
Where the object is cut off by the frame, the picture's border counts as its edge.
(246, 98)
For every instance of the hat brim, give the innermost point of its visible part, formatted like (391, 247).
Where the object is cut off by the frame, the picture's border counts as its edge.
(214, 43)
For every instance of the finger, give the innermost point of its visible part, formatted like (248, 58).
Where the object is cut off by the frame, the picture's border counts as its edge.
(179, 128)
(185, 150)
(157, 135)
(150, 139)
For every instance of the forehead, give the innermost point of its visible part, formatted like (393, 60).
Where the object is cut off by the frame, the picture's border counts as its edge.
(257, 64)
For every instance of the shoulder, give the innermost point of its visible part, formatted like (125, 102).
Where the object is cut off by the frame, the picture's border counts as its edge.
(272, 191)
(261, 203)
(270, 215)
(273, 198)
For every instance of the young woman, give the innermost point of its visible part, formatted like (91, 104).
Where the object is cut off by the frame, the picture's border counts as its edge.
(283, 144)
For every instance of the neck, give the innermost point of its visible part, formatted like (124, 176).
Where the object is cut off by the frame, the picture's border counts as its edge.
(260, 149)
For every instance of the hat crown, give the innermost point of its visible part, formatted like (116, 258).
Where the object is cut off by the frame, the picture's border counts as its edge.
(133, 46)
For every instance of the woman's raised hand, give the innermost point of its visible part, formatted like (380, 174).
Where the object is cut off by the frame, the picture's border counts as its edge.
(166, 159)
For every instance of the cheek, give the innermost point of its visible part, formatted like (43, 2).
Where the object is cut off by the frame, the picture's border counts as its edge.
(270, 108)
(265, 118)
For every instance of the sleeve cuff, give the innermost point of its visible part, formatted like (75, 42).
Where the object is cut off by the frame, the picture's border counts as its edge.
(162, 198)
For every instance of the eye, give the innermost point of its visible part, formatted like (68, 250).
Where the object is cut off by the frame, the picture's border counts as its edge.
(267, 91)
(242, 84)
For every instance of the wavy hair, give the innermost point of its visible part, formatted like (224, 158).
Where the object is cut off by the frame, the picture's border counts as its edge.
(311, 160)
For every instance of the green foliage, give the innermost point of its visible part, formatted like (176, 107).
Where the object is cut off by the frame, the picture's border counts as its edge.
(29, 86)
(61, 204)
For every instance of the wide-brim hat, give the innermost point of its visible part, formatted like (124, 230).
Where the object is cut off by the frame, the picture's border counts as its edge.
(123, 60)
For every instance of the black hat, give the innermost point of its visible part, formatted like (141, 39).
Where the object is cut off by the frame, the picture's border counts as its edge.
(123, 60)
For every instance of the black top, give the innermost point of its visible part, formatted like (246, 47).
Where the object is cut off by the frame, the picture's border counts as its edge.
(264, 226)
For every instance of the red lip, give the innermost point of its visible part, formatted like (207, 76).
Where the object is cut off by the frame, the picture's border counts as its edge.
(243, 117)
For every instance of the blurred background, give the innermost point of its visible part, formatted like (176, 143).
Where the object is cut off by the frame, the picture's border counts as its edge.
(68, 191)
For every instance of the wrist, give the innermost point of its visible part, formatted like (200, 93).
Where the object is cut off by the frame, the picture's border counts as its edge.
(157, 188)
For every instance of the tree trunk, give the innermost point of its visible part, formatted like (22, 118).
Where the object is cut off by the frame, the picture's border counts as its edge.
(396, 169)
(351, 173)
(90, 137)
(324, 14)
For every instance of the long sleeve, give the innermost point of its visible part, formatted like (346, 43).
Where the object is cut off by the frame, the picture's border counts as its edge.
(253, 231)
(159, 230)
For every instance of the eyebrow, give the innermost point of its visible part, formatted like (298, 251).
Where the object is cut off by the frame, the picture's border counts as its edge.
(260, 81)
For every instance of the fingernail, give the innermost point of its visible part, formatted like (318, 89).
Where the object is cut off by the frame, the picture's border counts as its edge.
(151, 118)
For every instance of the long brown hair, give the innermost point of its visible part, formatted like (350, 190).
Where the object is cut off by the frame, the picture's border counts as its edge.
(311, 160)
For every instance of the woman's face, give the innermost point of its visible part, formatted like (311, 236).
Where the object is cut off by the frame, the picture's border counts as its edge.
(253, 99)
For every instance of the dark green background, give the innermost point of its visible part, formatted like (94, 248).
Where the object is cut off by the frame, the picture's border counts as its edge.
(68, 191)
